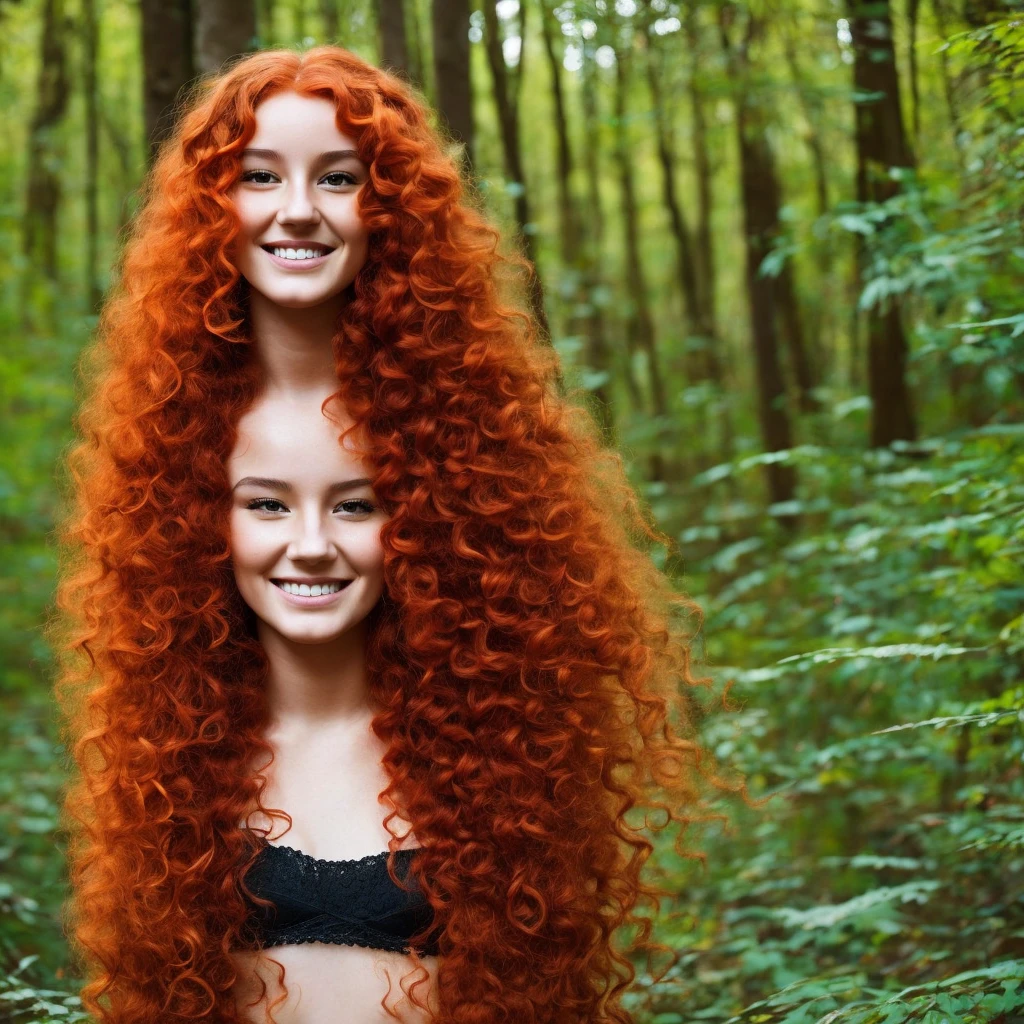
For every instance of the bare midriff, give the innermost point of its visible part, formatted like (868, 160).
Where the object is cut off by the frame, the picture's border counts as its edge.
(330, 789)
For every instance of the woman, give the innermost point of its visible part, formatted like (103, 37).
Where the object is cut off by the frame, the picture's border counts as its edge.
(506, 704)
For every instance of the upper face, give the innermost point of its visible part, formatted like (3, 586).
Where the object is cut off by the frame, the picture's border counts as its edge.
(303, 514)
(296, 194)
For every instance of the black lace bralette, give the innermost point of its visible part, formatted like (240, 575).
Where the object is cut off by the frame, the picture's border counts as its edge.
(349, 902)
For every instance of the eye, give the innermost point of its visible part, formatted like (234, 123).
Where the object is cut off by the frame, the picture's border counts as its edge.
(356, 507)
(266, 505)
(259, 177)
(342, 178)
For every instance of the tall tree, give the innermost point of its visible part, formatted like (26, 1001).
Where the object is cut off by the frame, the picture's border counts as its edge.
(222, 29)
(167, 64)
(704, 249)
(881, 145)
(579, 262)
(506, 89)
(90, 47)
(639, 317)
(452, 82)
(42, 200)
(760, 199)
(329, 19)
(394, 53)
(414, 38)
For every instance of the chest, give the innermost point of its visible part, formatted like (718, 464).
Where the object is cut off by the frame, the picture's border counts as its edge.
(330, 786)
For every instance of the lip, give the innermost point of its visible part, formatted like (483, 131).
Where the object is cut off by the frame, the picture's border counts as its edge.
(296, 266)
(312, 602)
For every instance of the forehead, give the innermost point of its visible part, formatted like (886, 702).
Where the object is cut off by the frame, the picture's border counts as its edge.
(293, 440)
(296, 123)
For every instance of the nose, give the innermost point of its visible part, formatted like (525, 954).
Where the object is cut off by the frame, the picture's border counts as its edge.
(311, 542)
(298, 207)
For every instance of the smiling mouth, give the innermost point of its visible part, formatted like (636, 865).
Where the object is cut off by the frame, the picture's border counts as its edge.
(301, 253)
(311, 590)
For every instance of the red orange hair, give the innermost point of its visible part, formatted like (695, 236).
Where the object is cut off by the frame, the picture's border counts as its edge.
(527, 657)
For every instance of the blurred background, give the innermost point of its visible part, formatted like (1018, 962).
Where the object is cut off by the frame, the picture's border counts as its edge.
(780, 251)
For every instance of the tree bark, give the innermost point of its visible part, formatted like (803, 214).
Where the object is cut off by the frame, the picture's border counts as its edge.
(394, 53)
(569, 226)
(506, 101)
(90, 47)
(167, 65)
(704, 248)
(222, 29)
(42, 200)
(452, 84)
(810, 105)
(598, 354)
(760, 200)
(685, 261)
(881, 144)
(639, 320)
(417, 68)
(578, 261)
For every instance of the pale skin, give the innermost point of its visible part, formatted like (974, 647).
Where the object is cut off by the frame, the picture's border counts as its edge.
(304, 514)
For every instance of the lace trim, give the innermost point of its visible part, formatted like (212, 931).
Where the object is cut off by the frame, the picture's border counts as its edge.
(381, 855)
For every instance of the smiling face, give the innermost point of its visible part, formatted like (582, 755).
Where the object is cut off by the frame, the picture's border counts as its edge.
(301, 241)
(305, 525)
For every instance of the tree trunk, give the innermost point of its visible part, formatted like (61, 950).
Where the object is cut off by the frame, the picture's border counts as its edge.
(639, 321)
(685, 262)
(394, 54)
(578, 262)
(452, 84)
(506, 101)
(949, 87)
(265, 20)
(167, 65)
(42, 200)
(704, 248)
(760, 200)
(90, 46)
(793, 332)
(913, 12)
(569, 227)
(222, 29)
(417, 65)
(598, 354)
(329, 18)
(881, 144)
(810, 105)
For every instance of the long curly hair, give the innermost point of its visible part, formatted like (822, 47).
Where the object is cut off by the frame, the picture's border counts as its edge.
(527, 658)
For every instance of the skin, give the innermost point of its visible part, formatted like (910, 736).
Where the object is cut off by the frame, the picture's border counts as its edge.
(300, 181)
(319, 521)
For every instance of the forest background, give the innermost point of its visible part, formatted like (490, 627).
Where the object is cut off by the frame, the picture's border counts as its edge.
(779, 251)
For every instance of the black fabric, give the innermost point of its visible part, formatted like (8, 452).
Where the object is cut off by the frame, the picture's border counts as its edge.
(350, 902)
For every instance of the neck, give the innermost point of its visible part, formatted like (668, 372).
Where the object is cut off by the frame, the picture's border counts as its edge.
(294, 346)
(311, 687)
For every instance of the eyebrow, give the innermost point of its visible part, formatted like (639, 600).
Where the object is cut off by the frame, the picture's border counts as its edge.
(282, 485)
(324, 158)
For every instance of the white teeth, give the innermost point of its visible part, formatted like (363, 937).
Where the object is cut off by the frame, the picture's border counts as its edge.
(299, 254)
(305, 590)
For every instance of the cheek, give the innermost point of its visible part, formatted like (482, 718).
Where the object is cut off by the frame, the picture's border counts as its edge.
(248, 546)
(367, 554)
(350, 226)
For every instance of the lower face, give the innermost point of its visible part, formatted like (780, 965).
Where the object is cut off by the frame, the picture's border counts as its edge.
(288, 192)
(310, 531)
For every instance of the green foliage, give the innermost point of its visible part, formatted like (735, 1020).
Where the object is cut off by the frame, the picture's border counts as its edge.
(870, 630)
